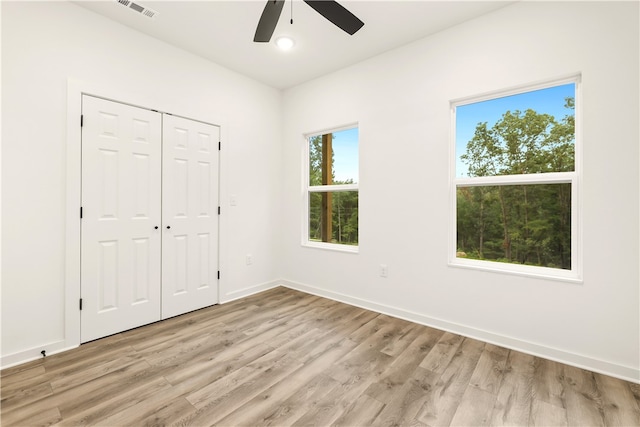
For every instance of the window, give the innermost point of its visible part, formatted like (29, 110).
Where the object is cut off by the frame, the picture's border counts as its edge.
(331, 176)
(515, 181)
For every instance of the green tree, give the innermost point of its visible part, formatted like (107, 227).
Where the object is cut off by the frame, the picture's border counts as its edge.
(528, 224)
(315, 160)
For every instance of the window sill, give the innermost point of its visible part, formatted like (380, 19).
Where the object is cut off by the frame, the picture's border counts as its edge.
(332, 247)
(543, 273)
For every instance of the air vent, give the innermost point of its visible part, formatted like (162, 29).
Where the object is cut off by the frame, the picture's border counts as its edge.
(137, 7)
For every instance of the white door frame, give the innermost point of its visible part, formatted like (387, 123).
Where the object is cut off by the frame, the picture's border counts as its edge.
(75, 90)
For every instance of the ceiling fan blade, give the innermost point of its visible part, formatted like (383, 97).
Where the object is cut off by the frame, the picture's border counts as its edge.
(268, 20)
(337, 14)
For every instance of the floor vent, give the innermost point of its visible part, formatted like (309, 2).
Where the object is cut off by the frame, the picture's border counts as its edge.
(149, 13)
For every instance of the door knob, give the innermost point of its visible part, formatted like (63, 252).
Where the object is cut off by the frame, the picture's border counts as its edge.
(156, 227)
(168, 227)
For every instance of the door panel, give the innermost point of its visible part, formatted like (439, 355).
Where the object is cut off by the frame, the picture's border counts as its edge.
(190, 215)
(121, 190)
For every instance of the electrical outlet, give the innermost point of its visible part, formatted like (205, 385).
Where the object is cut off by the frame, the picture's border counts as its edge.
(384, 270)
(249, 259)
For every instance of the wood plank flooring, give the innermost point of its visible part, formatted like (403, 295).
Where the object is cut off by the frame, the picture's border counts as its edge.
(284, 358)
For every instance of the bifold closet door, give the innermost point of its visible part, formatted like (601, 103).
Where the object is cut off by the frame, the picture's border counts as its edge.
(121, 238)
(190, 215)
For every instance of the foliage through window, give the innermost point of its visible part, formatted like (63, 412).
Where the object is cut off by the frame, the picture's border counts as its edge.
(516, 179)
(332, 190)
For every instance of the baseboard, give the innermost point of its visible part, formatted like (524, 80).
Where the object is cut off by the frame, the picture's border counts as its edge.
(611, 369)
(34, 353)
(245, 292)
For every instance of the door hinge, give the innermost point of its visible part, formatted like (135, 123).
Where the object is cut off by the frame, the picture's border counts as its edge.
(80, 303)
(218, 210)
(81, 120)
(219, 145)
(80, 212)
(218, 274)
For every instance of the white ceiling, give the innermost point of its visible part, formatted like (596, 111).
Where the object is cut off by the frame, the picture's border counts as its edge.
(222, 31)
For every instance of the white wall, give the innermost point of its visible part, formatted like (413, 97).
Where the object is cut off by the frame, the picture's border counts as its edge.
(43, 45)
(401, 101)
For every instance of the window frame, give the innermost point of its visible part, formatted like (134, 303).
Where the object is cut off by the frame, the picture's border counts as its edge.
(573, 275)
(307, 189)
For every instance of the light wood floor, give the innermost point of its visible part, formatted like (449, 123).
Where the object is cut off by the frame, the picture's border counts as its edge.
(283, 357)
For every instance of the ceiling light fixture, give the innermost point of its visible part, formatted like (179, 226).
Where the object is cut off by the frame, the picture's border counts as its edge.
(285, 43)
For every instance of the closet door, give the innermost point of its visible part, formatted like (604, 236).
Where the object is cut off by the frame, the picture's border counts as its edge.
(120, 263)
(189, 215)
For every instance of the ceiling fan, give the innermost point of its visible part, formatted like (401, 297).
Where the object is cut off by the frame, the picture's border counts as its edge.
(330, 9)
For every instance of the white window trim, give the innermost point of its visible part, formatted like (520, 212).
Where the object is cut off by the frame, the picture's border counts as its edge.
(307, 189)
(574, 275)
(332, 188)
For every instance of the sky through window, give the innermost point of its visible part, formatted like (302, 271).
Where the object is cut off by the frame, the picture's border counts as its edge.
(549, 100)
